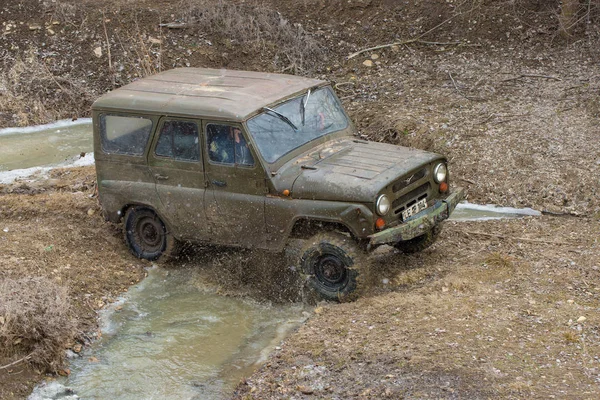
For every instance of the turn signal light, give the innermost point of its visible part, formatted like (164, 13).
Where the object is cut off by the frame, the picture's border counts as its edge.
(443, 187)
(380, 223)
(286, 192)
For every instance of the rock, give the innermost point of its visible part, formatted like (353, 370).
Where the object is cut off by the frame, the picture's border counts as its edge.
(305, 389)
(368, 63)
(50, 32)
(91, 212)
(35, 27)
(52, 391)
(581, 319)
(154, 40)
(98, 51)
(70, 354)
(374, 56)
(77, 348)
(395, 48)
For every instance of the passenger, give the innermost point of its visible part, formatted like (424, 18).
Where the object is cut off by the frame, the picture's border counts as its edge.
(221, 147)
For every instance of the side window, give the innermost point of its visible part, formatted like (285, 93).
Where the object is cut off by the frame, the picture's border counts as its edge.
(227, 145)
(179, 140)
(124, 135)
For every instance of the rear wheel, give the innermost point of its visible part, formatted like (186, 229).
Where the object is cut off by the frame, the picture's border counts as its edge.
(331, 261)
(419, 243)
(146, 234)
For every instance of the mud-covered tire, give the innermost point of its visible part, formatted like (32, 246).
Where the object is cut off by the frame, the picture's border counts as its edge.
(147, 235)
(419, 243)
(331, 261)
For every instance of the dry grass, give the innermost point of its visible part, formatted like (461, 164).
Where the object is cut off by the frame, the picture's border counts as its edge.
(37, 319)
(251, 29)
(33, 94)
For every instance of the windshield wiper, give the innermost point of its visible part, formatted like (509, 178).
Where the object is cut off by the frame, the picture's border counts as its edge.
(282, 117)
(303, 106)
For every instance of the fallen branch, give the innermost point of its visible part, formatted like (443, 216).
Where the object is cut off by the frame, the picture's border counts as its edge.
(532, 76)
(16, 362)
(383, 46)
(417, 39)
(517, 238)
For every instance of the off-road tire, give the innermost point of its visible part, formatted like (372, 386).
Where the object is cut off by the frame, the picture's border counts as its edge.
(331, 261)
(147, 235)
(419, 243)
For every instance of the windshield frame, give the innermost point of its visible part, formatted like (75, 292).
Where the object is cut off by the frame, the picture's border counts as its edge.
(346, 130)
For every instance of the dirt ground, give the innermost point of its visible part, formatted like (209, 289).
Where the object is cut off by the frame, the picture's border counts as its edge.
(495, 309)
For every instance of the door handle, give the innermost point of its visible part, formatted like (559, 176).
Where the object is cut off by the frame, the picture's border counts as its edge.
(160, 177)
(219, 183)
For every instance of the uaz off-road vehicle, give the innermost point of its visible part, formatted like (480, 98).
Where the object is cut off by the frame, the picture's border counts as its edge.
(252, 159)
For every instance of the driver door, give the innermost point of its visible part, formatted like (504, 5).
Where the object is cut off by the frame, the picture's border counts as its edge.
(236, 187)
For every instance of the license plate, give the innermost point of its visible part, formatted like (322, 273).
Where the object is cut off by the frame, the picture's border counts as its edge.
(414, 209)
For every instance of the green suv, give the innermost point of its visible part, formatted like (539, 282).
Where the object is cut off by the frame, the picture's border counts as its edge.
(252, 159)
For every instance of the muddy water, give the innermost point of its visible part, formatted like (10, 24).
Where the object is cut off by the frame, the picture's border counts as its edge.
(55, 143)
(170, 338)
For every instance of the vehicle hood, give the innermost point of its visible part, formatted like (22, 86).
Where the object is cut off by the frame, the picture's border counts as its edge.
(354, 170)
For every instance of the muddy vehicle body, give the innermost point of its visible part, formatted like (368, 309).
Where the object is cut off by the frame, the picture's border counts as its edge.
(253, 159)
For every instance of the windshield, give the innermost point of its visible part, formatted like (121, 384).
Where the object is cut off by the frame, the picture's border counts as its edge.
(282, 129)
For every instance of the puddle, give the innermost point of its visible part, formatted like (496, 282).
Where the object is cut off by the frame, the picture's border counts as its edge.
(477, 212)
(35, 146)
(170, 338)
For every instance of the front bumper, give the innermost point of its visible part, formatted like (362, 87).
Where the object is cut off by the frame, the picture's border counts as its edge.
(421, 223)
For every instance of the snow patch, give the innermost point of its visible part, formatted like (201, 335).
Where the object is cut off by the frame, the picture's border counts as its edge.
(15, 174)
(65, 123)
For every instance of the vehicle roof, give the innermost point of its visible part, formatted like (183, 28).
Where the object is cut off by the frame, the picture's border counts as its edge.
(213, 93)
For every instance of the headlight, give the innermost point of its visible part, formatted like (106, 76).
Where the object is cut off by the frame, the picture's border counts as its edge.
(383, 205)
(440, 172)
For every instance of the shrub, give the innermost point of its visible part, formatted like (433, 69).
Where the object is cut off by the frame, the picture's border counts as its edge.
(258, 28)
(36, 321)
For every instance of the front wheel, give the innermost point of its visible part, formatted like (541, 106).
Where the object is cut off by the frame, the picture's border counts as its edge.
(146, 234)
(331, 261)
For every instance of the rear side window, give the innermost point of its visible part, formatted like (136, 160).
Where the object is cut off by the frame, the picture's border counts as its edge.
(179, 140)
(124, 135)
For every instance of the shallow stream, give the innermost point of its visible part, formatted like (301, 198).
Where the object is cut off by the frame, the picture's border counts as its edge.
(170, 338)
(35, 146)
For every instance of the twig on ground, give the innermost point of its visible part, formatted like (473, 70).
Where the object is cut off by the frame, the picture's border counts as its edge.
(492, 115)
(418, 38)
(110, 68)
(337, 86)
(532, 76)
(561, 214)
(518, 238)
(467, 180)
(16, 362)
(460, 91)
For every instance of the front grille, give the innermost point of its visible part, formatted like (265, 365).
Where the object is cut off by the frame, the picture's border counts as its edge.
(410, 198)
(402, 183)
